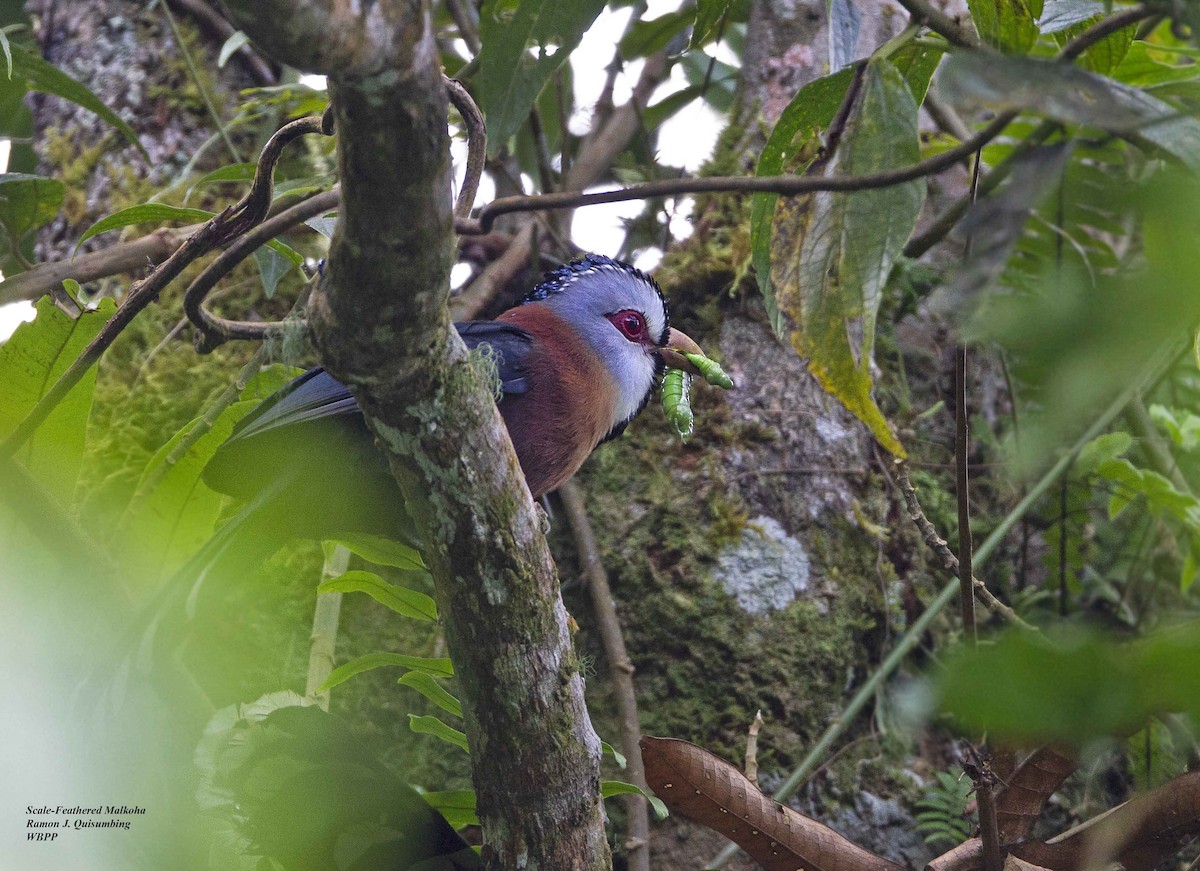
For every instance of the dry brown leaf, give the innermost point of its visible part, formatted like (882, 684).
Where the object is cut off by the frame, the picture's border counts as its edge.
(708, 790)
(1020, 802)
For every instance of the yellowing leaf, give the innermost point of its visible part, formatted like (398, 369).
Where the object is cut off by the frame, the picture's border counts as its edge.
(832, 252)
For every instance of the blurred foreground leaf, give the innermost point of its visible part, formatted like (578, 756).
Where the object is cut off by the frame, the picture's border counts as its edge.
(1074, 688)
(31, 361)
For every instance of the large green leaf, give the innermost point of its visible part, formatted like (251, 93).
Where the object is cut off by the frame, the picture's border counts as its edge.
(27, 202)
(31, 361)
(523, 43)
(792, 147)
(40, 75)
(1005, 24)
(1074, 96)
(832, 252)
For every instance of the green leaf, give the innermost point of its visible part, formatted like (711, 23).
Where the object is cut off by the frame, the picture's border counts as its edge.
(609, 788)
(647, 37)
(383, 551)
(427, 686)
(1180, 425)
(832, 252)
(172, 512)
(143, 214)
(234, 172)
(1073, 688)
(40, 75)
(27, 202)
(1071, 95)
(523, 44)
(1104, 56)
(708, 21)
(1004, 24)
(791, 147)
(618, 758)
(236, 40)
(406, 602)
(1100, 450)
(457, 806)
(7, 52)
(435, 667)
(668, 106)
(272, 266)
(428, 725)
(1027, 688)
(1140, 68)
(31, 361)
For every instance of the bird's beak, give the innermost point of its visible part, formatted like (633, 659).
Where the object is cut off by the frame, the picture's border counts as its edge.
(677, 345)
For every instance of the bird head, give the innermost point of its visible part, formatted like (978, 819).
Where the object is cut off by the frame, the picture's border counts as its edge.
(621, 314)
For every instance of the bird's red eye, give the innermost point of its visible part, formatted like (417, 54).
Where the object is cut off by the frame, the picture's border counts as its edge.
(631, 324)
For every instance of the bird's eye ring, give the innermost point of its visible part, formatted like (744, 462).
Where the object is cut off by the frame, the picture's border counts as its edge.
(630, 323)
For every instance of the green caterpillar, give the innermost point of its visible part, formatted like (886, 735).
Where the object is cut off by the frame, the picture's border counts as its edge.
(710, 369)
(677, 401)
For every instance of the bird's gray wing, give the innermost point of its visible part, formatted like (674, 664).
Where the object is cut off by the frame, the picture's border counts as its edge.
(316, 394)
(511, 346)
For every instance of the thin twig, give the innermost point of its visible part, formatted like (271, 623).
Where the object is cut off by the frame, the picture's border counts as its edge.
(939, 546)
(785, 185)
(620, 665)
(464, 14)
(215, 331)
(476, 145)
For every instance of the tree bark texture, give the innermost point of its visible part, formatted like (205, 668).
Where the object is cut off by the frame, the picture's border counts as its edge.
(381, 323)
(125, 53)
